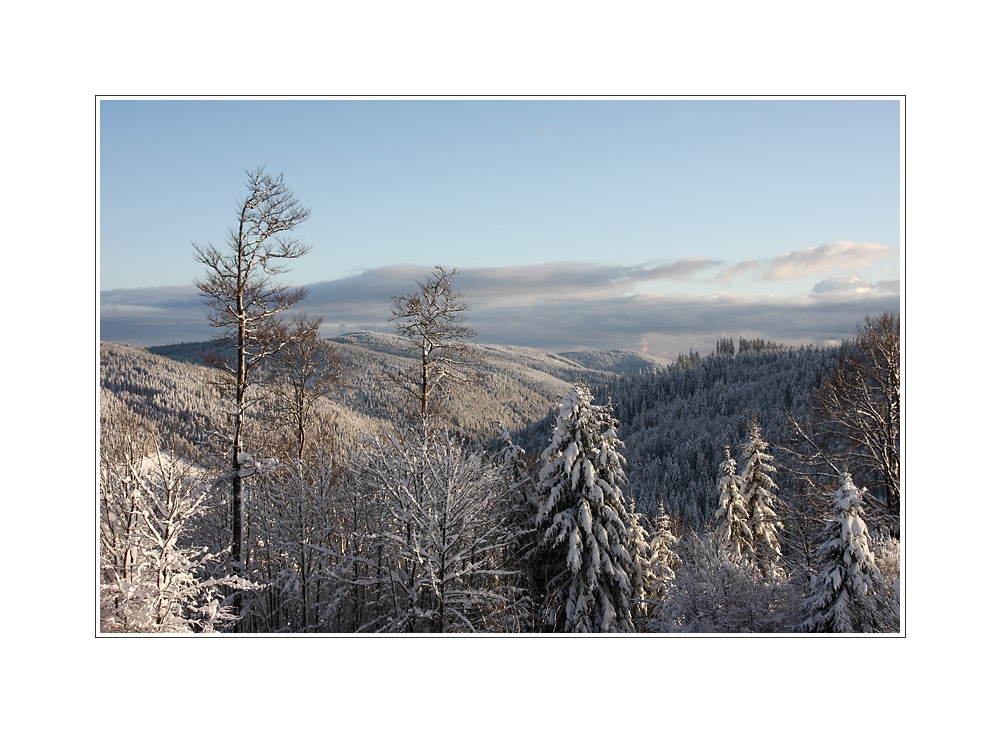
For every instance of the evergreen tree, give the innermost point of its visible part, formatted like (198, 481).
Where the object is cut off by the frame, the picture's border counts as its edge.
(732, 514)
(758, 494)
(844, 595)
(582, 517)
(663, 558)
(640, 550)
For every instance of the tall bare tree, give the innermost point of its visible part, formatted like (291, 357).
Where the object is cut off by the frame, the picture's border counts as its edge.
(433, 320)
(239, 287)
(855, 423)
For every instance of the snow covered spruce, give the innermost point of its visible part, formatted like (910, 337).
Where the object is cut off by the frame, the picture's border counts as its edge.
(732, 515)
(758, 490)
(846, 593)
(583, 554)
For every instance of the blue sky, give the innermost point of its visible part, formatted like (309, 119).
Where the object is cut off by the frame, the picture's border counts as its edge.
(633, 223)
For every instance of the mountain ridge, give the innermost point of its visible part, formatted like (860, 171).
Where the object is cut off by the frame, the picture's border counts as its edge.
(515, 386)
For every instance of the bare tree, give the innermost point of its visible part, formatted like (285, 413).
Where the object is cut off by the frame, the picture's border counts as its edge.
(239, 288)
(442, 535)
(433, 320)
(855, 423)
(309, 370)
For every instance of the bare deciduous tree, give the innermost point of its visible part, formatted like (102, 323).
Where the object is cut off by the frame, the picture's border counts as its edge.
(433, 320)
(239, 287)
(855, 424)
(309, 370)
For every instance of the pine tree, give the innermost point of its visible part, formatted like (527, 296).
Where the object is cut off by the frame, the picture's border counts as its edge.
(843, 596)
(639, 549)
(663, 558)
(732, 514)
(758, 494)
(582, 518)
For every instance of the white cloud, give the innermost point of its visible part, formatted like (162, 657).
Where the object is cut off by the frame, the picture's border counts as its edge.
(840, 256)
(854, 286)
(843, 286)
(741, 268)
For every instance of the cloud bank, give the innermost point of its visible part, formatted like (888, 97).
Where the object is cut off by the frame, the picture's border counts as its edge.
(559, 306)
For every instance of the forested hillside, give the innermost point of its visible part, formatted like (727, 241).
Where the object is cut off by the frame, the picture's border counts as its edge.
(677, 423)
(675, 419)
(710, 484)
(515, 386)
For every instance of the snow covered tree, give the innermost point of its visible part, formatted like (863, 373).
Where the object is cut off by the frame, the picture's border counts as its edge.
(886, 550)
(844, 594)
(639, 549)
(432, 319)
(732, 514)
(125, 441)
(663, 545)
(582, 517)
(715, 591)
(159, 584)
(662, 560)
(305, 540)
(238, 286)
(443, 538)
(758, 495)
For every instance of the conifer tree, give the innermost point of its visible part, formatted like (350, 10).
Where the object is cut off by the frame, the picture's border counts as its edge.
(663, 557)
(758, 494)
(640, 550)
(732, 515)
(843, 597)
(582, 519)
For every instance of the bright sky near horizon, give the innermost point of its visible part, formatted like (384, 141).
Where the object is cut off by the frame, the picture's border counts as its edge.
(743, 198)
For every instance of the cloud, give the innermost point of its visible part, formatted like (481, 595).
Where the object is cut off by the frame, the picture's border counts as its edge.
(843, 286)
(152, 316)
(839, 256)
(854, 286)
(684, 269)
(558, 307)
(672, 325)
(514, 284)
(741, 268)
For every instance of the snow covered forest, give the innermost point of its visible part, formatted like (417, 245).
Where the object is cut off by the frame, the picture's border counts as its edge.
(272, 481)
(691, 497)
